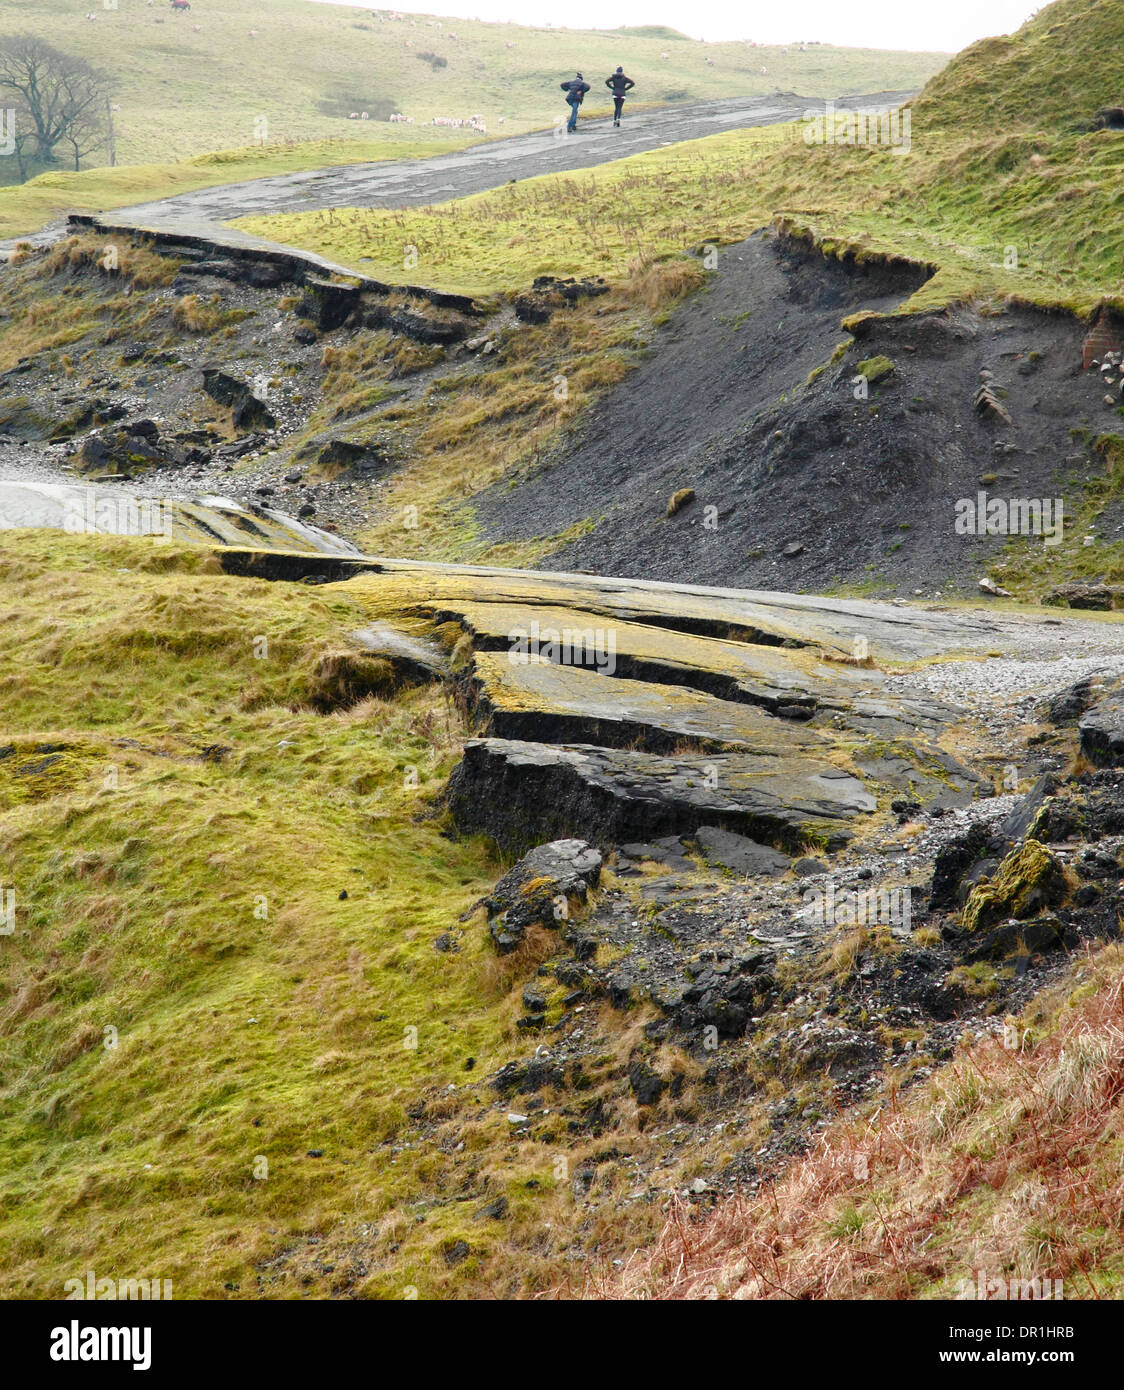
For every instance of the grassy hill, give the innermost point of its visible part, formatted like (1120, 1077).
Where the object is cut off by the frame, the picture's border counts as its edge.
(196, 82)
(1060, 68)
(1031, 214)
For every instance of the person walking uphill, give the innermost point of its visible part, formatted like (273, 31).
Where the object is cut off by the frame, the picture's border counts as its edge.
(575, 94)
(618, 84)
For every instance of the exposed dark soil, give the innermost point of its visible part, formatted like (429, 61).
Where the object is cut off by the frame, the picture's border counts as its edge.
(866, 486)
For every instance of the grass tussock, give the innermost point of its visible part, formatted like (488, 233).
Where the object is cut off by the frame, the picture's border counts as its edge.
(190, 316)
(112, 257)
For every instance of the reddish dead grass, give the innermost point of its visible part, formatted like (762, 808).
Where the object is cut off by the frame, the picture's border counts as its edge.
(1006, 1162)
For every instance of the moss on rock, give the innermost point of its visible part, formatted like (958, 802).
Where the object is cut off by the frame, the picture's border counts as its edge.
(1029, 879)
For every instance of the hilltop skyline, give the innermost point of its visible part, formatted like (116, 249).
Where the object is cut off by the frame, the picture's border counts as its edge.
(880, 24)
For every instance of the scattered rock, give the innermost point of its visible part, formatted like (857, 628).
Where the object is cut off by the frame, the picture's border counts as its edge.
(247, 411)
(739, 854)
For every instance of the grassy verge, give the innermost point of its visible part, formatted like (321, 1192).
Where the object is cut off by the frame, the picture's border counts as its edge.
(226, 906)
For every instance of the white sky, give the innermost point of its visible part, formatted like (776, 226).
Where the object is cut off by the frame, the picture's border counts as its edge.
(946, 26)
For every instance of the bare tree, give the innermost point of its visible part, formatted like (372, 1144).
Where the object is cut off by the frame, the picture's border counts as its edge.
(57, 99)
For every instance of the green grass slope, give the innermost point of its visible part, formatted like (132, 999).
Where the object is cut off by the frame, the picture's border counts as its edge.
(184, 92)
(216, 954)
(1058, 69)
(230, 1055)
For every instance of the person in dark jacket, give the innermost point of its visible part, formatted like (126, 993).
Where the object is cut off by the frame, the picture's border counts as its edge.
(618, 84)
(575, 94)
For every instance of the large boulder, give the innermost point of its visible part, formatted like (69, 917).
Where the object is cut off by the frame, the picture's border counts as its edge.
(327, 304)
(441, 327)
(124, 453)
(956, 860)
(1017, 938)
(1102, 730)
(544, 888)
(740, 855)
(1028, 881)
(247, 411)
(341, 458)
(1094, 597)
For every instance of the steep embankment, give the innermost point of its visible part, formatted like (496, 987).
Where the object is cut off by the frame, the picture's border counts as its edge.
(802, 458)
